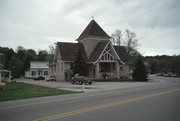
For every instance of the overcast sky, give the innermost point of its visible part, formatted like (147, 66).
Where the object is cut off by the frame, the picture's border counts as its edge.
(37, 24)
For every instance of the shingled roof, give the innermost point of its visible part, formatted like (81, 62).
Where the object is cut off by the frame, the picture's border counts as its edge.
(93, 30)
(122, 53)
(68, 51)
(97, 51)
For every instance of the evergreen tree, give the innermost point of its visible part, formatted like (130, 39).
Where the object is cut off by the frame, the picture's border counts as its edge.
(16, 65)
(80, 66)
(140, 73)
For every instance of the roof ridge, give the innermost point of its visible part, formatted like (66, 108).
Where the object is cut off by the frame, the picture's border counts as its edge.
(90, 26)
(66, 43)
(93, 29)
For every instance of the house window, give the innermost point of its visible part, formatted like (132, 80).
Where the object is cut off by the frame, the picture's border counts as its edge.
(107, 57)
(103, 57)
(39, 72)
(33, 73)
(45, 72)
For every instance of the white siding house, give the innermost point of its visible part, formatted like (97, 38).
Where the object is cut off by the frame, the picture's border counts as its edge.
(37, 68)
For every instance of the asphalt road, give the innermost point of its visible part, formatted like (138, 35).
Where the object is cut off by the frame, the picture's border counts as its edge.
(157, 102)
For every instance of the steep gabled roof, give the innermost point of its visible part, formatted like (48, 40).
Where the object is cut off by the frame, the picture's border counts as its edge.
(93, 30)
(122, 53)
(97, 51)
(68, 51)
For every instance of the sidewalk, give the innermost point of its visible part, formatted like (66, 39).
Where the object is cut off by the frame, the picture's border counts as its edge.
(96, 86)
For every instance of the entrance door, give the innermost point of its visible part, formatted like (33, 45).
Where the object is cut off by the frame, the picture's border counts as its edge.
(40, 72)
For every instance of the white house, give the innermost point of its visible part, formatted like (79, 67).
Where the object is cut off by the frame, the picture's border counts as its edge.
(37, 68)
(5, 75)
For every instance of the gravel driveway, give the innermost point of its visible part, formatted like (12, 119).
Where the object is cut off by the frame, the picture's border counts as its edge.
(96, 86)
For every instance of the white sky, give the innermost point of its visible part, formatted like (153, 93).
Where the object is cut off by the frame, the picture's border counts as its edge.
(37, 24)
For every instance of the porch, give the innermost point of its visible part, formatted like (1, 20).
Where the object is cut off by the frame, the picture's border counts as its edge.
(104, 70)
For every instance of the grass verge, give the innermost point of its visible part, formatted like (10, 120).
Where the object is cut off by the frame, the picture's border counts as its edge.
(14, 91)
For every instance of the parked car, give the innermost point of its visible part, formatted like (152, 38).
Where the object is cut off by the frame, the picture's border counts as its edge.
(39, 78)
(173, 75)
(167, 75)
(82, 80)
(160, 74)
(51, 78)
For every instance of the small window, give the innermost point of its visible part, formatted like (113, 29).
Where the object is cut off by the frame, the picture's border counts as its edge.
(45, 72)
(103, 57)
(33, 73)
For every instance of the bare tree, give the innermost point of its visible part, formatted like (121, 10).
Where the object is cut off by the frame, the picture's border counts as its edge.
(117, 37)
(131, 42)
(51, 49)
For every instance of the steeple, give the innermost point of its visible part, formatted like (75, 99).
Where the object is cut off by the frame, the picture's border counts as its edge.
(93, 30)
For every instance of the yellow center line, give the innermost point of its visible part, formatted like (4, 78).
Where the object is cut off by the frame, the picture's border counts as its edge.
(104, 106)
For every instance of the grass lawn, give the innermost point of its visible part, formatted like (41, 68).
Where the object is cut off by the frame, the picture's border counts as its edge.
(14, 91)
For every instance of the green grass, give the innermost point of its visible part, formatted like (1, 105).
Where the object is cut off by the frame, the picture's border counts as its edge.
(14, 91)
(115, 80)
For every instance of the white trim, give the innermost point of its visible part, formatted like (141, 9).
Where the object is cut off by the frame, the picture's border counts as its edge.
(57, 54)
(113, 50)
(117, 54)
(108, 61)
(94, 38)
(102, 53)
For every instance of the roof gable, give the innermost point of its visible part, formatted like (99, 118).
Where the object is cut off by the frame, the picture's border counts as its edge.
(120, 52)
(93, 30)
(68, 51)
(97, 51)
(108, 49)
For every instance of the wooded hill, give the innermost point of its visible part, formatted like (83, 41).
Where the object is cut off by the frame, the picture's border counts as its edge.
(163, 64)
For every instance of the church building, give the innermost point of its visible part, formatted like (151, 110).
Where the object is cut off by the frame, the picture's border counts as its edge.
(104, 60)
